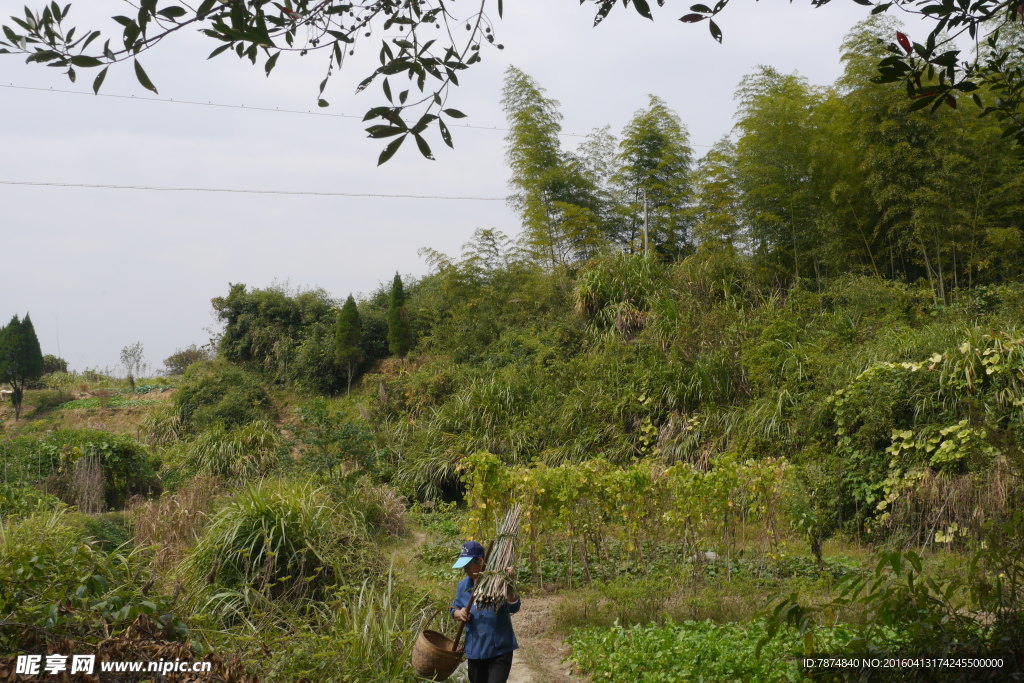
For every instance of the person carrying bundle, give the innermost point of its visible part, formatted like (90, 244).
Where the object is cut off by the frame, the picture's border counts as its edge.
(490, 640)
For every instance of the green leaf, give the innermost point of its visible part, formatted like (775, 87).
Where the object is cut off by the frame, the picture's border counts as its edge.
(390, 150)
(322, 103)
(424, 147)
(384, 131)
(643, 9)
(85, 61)
(716, 32)
(271, 63)
(205, 8)
(454, 113)
(172, 12)
(446, 134)
(217, 51)
(140, 74)
(41, 56)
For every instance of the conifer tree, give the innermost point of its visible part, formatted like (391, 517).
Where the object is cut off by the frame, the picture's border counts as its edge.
(21, 359)
(348, 333)
(399, 332)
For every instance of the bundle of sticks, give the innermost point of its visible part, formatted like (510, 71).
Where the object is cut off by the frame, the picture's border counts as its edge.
(495, 581)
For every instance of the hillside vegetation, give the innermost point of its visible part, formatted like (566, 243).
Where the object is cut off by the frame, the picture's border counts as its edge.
(787, 420)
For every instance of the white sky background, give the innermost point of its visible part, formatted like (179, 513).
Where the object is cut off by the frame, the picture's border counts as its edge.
(111, 267)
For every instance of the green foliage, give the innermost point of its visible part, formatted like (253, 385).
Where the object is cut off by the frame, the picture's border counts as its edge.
(21, 360)
(654, 173)
(286, 335)
(904, 609)
(348, 332)
(53, 577)
(333, 445)
(691, 650)
(241, 451)
(99, 401)
(127, 467)
(54, 364)
(362, 632)
(617, 291)
(399, 330)
(276, 540)
(18, 500)
(643, 503)
(555, 199)
(110, 530)
(179, 361)
(216, 392)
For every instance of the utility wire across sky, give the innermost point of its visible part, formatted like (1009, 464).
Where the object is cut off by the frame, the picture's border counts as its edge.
(157, 188)
(278, 110)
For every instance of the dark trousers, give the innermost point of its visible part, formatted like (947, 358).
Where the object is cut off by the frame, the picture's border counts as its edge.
(493, 670)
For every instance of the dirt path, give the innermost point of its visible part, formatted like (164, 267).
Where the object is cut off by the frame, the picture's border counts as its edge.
(540, 655)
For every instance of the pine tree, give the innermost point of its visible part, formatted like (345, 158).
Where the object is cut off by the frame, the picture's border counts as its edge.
(348, 333)
(21, 359)
(399, 332)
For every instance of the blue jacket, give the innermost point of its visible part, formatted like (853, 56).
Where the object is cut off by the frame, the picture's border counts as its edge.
(489, 632)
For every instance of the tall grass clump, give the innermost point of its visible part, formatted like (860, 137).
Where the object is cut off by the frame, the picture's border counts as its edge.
(242, 451)
(277, 540)
(363, 632)
(162, 426)
(615, 290)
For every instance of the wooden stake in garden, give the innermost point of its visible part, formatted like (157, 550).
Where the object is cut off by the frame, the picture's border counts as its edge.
(495, 581)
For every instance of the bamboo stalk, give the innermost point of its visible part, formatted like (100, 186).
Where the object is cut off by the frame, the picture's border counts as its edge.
(495, 581)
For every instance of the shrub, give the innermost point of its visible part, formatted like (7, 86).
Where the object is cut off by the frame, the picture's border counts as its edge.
(611, 290)
(18, 500)
(126, 466)
(276, 540)
(217, 392)
(179, 361)
(52, 577)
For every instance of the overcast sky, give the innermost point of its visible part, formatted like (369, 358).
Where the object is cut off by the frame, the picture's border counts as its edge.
(99, 269)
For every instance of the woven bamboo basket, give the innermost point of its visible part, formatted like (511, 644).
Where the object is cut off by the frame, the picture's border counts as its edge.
(434, 655)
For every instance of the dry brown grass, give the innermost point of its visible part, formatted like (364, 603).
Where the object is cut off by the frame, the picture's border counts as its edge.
(173, 522)
(937, 502)
(87, 486)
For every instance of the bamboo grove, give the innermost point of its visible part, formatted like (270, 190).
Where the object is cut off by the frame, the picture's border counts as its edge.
(815, 181)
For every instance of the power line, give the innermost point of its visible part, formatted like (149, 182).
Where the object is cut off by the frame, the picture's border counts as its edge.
(155, 188)
(277, 110)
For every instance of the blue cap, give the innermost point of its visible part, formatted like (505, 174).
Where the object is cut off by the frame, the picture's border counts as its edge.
(470, 551)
